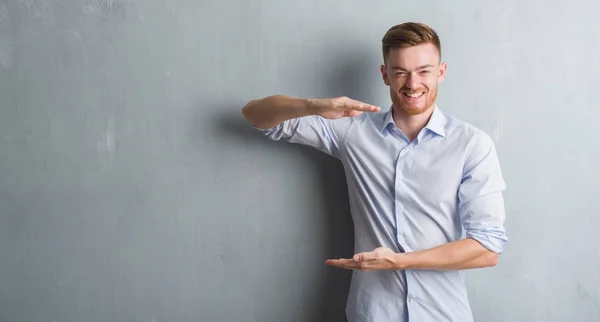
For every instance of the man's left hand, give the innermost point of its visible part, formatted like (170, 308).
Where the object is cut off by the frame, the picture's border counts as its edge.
(378, 259)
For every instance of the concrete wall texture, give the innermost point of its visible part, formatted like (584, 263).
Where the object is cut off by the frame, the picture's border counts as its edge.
(131, 189)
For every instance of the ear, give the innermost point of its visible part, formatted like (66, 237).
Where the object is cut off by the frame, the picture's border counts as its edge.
(442, 71)
(384, 75)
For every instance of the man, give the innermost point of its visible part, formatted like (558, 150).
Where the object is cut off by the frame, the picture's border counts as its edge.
(418, 179)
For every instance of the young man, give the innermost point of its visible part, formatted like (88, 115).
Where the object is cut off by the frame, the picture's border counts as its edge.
(418, 179)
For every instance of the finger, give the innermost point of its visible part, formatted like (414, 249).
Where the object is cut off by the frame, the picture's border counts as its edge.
(351, 264)
(366, 256)
(338, 262)
(343, 263)
(366, 107)
(360, 106)
(352, 113)
(371, 265)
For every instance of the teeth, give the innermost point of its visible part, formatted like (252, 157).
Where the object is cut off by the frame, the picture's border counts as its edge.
(414, 94)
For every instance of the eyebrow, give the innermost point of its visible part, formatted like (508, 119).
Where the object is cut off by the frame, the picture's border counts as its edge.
(421, 67)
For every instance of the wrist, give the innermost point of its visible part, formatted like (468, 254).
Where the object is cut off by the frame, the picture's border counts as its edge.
(402, 261)
(311, 106)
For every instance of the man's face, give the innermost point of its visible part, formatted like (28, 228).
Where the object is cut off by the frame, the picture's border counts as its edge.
(413, 75)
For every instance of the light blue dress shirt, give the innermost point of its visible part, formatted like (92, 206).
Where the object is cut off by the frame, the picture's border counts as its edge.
(409, 196)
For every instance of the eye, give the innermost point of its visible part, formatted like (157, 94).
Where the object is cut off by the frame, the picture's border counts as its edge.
(424, 72)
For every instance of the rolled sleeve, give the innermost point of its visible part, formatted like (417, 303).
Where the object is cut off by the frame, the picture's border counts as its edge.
(483, 219)
(481, 207)
(315, 131)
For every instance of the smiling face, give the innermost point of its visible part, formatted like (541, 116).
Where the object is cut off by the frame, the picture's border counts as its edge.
(412, 74)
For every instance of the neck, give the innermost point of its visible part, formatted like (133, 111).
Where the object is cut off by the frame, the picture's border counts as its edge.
(411, 125)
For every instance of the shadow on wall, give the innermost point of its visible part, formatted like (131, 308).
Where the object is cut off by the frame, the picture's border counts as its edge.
(328, 298)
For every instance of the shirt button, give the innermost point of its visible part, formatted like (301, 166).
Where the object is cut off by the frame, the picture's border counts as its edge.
(401, 238)
(411, 300)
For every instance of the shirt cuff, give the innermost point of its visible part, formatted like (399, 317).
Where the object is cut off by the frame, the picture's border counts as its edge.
(493, 239)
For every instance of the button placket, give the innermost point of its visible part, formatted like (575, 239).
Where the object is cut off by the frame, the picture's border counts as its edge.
(399, 207)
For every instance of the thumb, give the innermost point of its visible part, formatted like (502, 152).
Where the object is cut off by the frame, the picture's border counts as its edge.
(363, 257)
(352, 113)
(363, 107)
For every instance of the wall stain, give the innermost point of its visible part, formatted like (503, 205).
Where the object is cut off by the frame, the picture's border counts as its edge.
(6, 54)
(42, 10)
(101, 9)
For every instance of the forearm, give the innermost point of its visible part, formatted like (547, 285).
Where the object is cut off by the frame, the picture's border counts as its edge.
(273, 110)
(459, 255)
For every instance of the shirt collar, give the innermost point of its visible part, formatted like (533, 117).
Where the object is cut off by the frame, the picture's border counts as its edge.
(436, 124)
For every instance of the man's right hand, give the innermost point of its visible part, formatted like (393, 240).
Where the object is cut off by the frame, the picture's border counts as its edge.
(334, 108)
(272, 110)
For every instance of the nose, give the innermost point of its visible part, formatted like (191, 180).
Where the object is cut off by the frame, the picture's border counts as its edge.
(412, 81)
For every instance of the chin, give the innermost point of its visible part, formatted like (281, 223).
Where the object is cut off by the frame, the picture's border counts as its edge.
(422, 105)
(413, 110)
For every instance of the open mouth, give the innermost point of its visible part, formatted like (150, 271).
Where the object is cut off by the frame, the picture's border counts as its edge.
(413, 95)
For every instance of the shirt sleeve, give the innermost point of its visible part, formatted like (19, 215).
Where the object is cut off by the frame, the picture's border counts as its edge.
(481, 204)
(315, 131)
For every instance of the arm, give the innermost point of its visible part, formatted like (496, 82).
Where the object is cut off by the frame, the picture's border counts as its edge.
(481, 209)
(319, 123)
(458, 255)
(273, 110)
